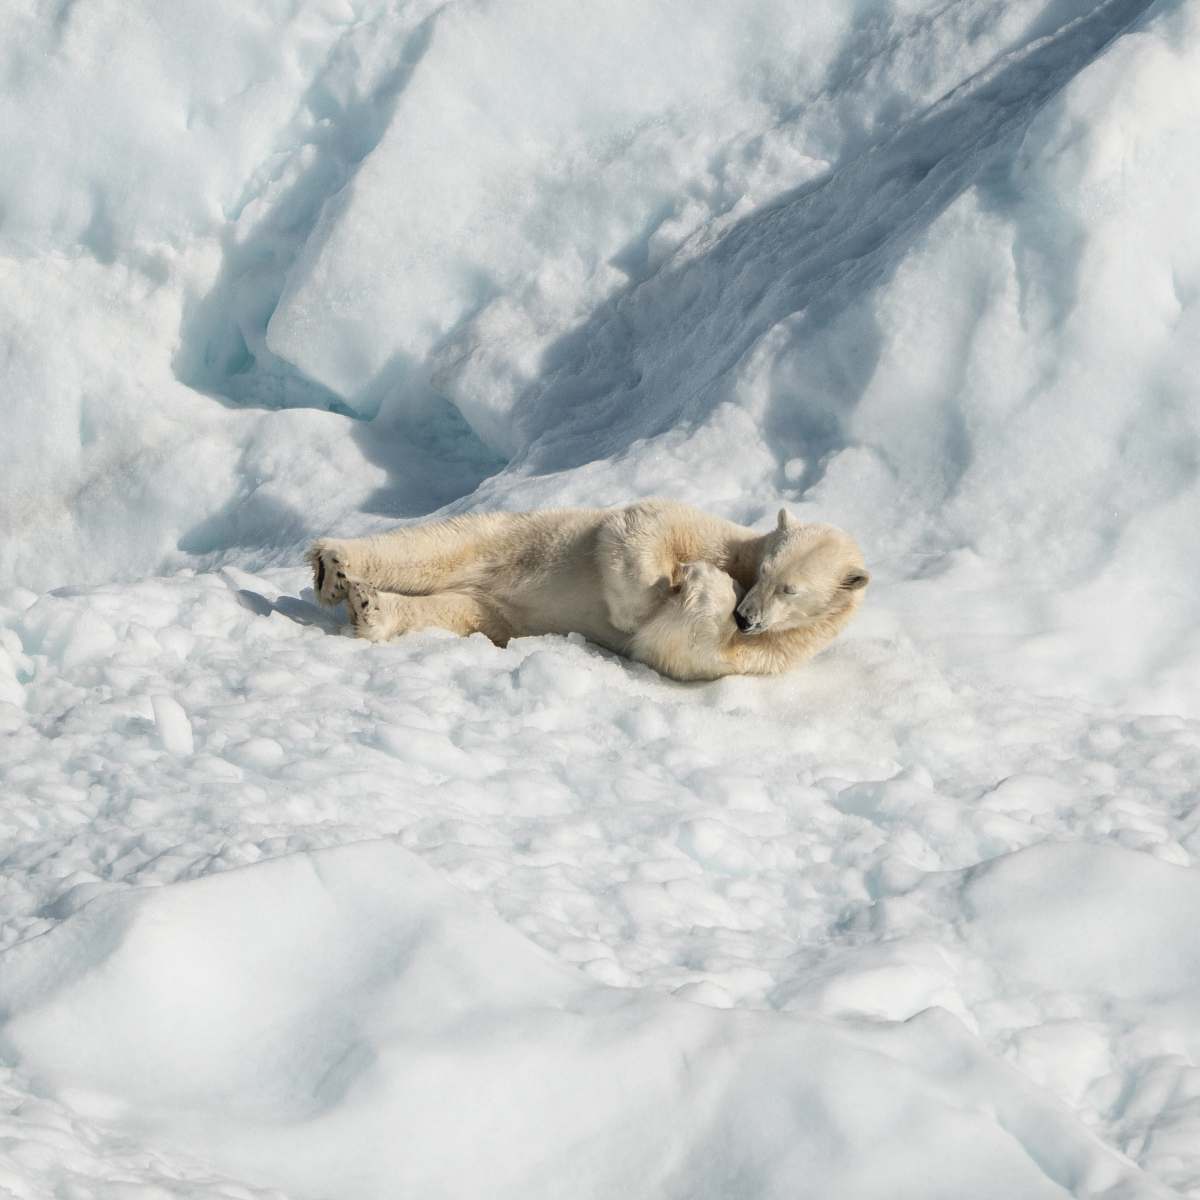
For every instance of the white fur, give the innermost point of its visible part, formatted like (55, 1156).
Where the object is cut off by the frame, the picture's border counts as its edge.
(655, 580)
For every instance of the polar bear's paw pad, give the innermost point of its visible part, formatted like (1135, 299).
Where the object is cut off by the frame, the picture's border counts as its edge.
(366, 612)
(330, 579)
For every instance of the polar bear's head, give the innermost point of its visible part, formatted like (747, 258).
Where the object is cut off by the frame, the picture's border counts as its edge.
(809, 573)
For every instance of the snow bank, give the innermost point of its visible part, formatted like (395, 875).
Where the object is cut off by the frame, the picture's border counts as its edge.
(541, 161)
(345, 1023)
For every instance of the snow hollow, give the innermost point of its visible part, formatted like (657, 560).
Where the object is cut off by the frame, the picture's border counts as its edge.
(286, 914)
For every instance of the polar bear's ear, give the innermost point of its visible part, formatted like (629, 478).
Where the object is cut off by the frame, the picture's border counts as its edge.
(858, 578)
(786, 520)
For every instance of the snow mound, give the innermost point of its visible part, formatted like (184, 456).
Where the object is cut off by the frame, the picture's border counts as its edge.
(1074, 961)
(345, 1023)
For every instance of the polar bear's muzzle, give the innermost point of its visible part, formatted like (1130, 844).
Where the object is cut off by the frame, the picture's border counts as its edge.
(745, 624)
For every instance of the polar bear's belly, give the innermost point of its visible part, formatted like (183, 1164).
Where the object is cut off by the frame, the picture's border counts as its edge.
(555, 611)
(563, 595)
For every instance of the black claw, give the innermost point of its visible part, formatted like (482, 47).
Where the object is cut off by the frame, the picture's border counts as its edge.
(320, 574)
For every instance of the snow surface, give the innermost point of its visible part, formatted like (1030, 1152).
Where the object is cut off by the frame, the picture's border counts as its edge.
(427, 1047)
(917, 920)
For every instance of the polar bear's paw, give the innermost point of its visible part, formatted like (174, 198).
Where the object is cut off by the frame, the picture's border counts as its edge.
(702, 585)
(330, 579)
(366, 611)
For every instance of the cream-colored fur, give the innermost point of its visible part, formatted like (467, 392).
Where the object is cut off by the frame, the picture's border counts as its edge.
(804, 584)
(686, 636)
(655, 580)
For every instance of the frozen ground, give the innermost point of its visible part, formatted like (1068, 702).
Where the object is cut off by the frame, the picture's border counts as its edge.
(285, 911)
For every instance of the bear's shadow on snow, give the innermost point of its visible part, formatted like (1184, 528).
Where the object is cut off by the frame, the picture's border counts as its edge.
(302, 609)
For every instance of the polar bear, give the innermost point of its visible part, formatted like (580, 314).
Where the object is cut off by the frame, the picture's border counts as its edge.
(690, 594)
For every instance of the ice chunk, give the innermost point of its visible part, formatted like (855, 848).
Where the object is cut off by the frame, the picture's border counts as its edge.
(174, 728)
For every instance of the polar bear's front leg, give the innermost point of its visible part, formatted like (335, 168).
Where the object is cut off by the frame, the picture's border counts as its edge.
(687, 637)
(706, 602)
(637, 571)
(379, 616)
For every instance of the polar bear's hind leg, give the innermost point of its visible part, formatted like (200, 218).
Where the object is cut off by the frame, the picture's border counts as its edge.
(416, 560)
(330, 576)
(366, 612)
(378, 616)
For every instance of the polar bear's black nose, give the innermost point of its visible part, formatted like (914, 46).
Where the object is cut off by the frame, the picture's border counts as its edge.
(742, 623)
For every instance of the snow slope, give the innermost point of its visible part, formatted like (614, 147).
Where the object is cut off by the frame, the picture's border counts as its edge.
(928, 270)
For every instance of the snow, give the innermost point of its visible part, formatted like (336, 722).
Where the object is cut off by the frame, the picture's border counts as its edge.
(291, 1019)
(174, 728)
(803, 850)
(286, 914)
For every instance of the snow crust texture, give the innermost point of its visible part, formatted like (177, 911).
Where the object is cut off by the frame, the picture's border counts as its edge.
(284, 914)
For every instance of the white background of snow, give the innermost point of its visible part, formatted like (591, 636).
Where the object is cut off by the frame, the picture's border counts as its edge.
(929, 271)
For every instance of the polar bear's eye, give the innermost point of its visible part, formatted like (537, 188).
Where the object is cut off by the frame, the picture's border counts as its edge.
(789, 590)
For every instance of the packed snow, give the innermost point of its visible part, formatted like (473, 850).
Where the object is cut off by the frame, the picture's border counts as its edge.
(286, 914)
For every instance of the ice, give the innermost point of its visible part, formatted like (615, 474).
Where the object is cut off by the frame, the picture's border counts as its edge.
(919, 916)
